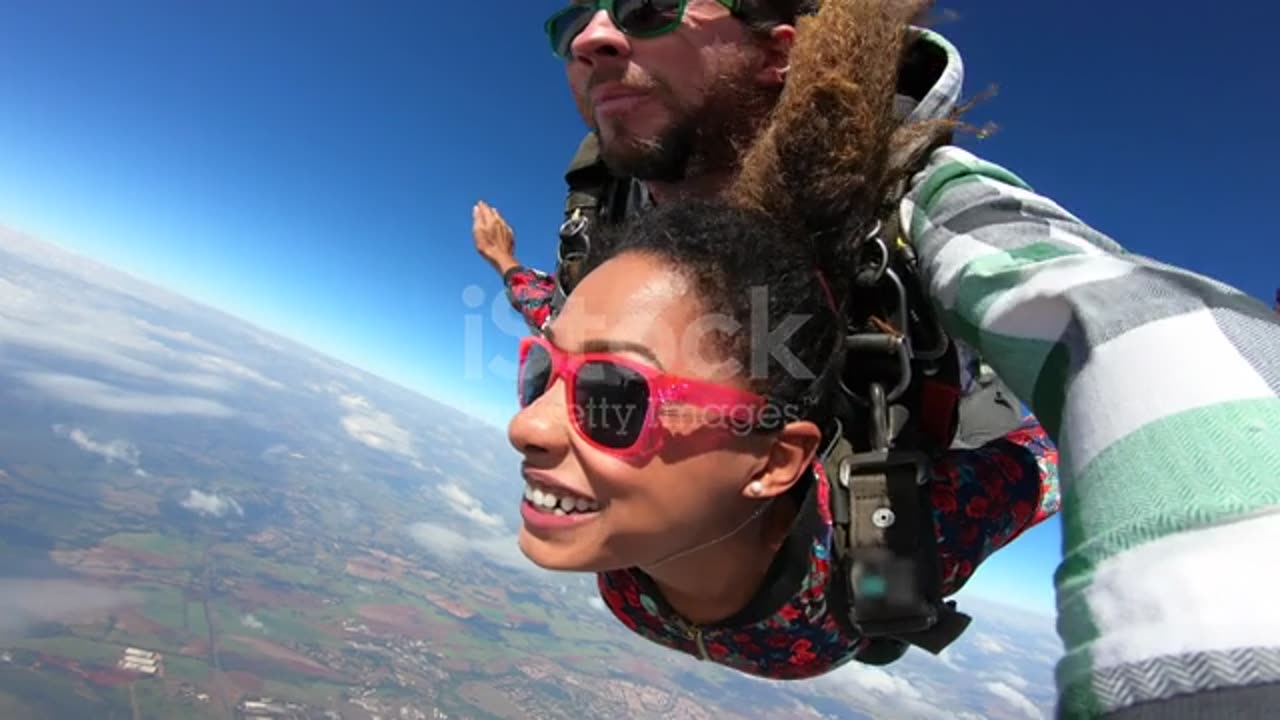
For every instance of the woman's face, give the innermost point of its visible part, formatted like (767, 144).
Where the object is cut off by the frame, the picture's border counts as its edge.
(632, 512)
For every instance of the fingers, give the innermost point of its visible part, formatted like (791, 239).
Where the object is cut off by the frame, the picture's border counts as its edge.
(493, 237)
(484, 218)
(489, 209)
(488, 219)
(484, 215)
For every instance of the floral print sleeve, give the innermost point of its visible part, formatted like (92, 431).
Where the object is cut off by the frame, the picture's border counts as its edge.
(985, 497)
(530, 292)
(794, 628)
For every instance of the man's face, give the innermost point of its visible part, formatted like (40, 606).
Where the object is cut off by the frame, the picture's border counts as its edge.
(669, 106)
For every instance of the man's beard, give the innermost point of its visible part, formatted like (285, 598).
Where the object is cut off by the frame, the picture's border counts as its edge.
(708, 138)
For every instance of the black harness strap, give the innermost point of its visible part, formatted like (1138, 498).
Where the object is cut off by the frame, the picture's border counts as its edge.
(595, 198)
(588, 182)
(886, 547)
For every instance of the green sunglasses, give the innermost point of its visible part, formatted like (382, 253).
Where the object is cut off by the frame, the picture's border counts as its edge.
(637, 18)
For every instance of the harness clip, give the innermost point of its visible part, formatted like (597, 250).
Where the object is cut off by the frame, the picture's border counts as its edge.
(891, 580)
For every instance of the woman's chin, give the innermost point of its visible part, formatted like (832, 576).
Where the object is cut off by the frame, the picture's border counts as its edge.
(558, 556)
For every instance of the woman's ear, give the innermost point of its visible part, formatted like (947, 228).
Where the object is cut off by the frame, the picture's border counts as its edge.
(791, 453)
(776, 56)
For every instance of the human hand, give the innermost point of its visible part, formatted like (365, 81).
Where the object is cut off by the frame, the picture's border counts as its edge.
(494, 239)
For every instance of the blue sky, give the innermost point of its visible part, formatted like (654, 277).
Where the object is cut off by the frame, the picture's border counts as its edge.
(311, 166)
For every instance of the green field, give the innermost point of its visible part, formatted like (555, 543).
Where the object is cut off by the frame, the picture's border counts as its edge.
(30, 694)
(192, 670)
(315, 693)
(156, 543)
(85, 650)
(241, 560)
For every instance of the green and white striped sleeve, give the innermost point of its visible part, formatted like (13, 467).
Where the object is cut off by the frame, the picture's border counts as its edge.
(1161, 388)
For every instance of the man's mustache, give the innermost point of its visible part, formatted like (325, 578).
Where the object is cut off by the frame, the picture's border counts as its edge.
(630, 81)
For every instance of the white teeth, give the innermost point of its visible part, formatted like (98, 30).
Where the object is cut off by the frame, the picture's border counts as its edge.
(560, 505)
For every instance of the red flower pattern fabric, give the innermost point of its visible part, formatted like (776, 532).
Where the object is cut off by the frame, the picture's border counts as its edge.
(983, 499)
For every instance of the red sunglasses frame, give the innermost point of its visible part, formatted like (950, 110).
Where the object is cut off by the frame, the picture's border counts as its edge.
(664, 390)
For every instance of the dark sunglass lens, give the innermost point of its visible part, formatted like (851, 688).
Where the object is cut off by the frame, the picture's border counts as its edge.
(566, 26)
(645, 17)
(611, 403)
(535, 374)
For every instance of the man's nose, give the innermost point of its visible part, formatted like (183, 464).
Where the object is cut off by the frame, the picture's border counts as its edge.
(599, 39)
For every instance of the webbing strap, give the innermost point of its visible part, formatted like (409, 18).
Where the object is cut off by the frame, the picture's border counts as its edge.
(588, 180)
(884, 527)
(886, 539)
(939, 410)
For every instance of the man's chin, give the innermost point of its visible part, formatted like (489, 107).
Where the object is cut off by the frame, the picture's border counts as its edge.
(620, 140)
(642, 131)
(643, 159)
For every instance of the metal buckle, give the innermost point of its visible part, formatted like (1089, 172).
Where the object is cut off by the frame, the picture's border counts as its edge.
(886, 589)
(879, 342)
(573, 229)
(891, 591)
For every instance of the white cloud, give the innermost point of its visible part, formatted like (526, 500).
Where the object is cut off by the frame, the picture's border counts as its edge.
(597, 603)
(233, 369)
(951, 657)
(440, 539)
(76, 309)
(453, 545)
(120, 451)
(25, 602)
(990, 644)
(466, 505)
(113, 341)
(174, 336)
(1015, 699)
(887, 692)
(103, 396)
(100, 341)
(1010, 678)
(877, 680)
(79, 268)
(211, 504)
(375, 428)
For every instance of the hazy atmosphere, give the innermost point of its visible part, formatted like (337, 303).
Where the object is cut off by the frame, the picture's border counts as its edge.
(256, 379)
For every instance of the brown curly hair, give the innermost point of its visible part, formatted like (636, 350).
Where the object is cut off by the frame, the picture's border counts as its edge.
(809, 189)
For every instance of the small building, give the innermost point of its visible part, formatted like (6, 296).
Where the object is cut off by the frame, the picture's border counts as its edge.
(266, 708)
(144, 662)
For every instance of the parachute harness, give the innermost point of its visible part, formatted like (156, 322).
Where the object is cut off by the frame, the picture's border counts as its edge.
(877, 460)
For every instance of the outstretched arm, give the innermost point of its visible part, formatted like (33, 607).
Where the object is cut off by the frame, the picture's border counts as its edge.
(986, 497)
(1162, 389)
(528, 290)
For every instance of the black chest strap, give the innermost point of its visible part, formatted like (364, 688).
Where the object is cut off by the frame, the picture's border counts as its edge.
(887, 555)
(878, 463)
